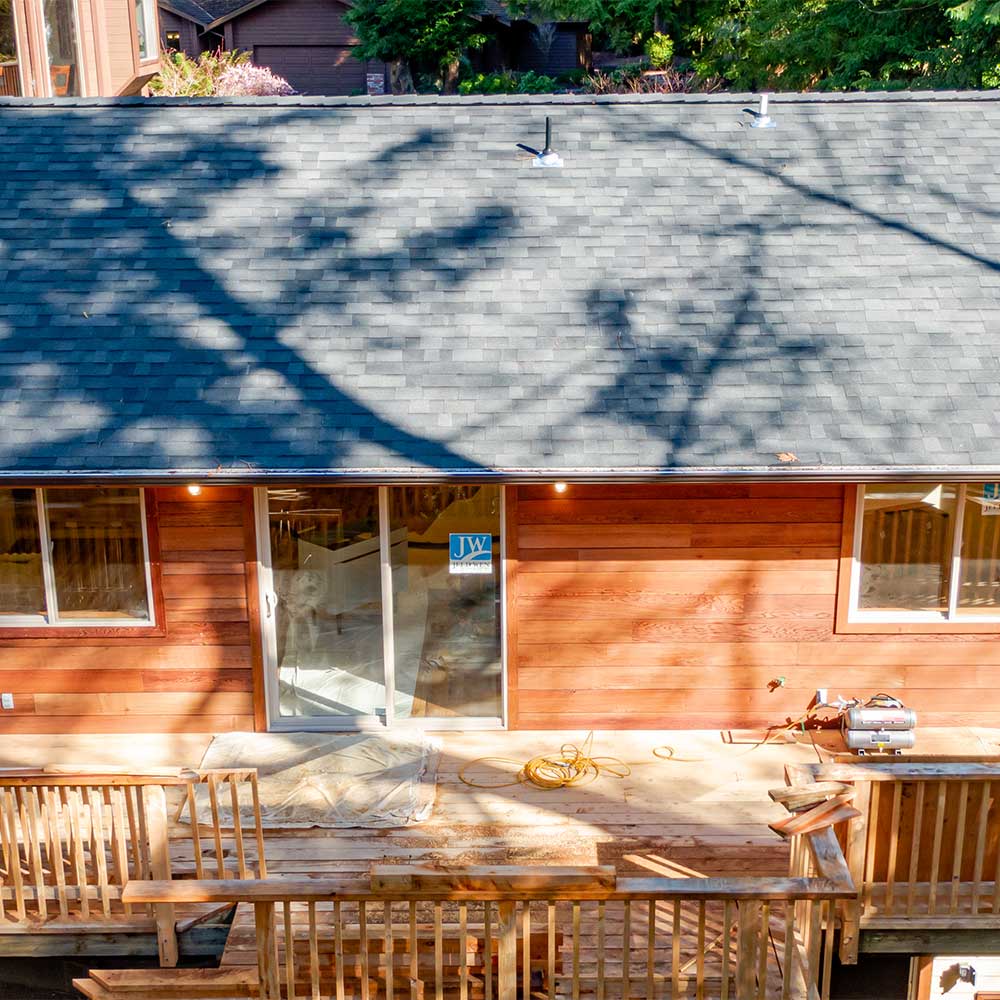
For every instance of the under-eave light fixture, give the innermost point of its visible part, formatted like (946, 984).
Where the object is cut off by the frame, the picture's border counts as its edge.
(194, 489)
(559, 487)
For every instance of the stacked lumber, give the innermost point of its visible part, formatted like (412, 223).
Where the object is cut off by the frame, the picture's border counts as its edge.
(814, 805)
(176, 984)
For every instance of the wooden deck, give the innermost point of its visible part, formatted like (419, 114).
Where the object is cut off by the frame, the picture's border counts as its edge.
(705, 812)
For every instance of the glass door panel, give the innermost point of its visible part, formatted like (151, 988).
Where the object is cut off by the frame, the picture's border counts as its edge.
(446, 620)
(326, 645)
(61, 47)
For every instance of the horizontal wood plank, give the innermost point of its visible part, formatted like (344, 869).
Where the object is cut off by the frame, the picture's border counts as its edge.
(617, 511)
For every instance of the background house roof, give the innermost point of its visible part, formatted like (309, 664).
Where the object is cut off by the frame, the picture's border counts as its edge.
(191, 10)
(387, 284)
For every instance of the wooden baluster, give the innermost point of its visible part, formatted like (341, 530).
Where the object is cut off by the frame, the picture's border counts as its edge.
(134, 835)
(600, 949)
(213, 797)
(10, 814)
(199, 864)
(390, 949)
(74, 810)
(675, 950)
(828, 926)
(526, 949)
(788, 955)
(363, 945)
(463, 952)
(289, 951)
(414, 958)
(814, 945)
(700, 958)
(267, 951)
(439, 953)
(155, 811)
(506, 950)
(651, 950)
(762, 950)
(576, 950)
(119, 846)
(241, 858)
(34, 823)
(144, 860)
(956, 857)
(626, 949)
(97, 849)
(551, 942)
(936, 848)
(6, 860)
(982, 830)
(890, 875)
(914, 870)
(258, 826)
(872, 841)
(314, 982)
(338, 949)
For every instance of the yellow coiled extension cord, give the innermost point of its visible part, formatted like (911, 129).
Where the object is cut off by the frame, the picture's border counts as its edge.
(571, 765)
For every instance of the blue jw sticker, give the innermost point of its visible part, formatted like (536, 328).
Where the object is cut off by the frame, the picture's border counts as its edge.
(470, 553)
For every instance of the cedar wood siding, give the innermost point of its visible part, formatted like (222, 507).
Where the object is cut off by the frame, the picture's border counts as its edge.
(197, 677)
(673, 606)
(632, 606)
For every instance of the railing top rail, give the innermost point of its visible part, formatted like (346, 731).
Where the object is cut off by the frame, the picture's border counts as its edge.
(116, 777)
(55, 777)
(638, 888)
(905, 771)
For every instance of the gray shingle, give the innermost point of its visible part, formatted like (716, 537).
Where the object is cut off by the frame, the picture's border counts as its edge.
(326, 285)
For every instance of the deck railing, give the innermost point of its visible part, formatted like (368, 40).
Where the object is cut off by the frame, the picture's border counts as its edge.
(507, 933)
(924, 852)
(71, 841)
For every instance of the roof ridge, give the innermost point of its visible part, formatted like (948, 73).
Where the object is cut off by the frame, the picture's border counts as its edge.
(513, 100)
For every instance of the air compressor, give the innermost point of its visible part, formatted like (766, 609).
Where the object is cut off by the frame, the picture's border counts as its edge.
(882, 724)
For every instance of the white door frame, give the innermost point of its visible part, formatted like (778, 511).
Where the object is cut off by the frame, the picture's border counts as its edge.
(353, 723)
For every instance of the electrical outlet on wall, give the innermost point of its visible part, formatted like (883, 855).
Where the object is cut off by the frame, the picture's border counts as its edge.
(6, 701)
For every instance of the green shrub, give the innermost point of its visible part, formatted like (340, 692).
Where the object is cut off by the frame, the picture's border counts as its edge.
(181, 76)
(508, 83)
(659, 50)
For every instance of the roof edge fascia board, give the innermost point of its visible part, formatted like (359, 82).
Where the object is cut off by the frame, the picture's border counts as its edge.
(513, 477)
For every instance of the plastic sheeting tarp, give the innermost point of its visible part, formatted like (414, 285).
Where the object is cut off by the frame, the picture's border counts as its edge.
(374, 781)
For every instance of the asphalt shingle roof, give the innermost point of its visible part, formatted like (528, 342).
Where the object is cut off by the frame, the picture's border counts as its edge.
(191, 10)
(386, 284)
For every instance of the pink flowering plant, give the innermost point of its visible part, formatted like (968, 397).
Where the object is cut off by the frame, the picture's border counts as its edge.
(248, 80)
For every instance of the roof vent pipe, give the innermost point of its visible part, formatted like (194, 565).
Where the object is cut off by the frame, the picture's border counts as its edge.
(761, 119)
(548, 157)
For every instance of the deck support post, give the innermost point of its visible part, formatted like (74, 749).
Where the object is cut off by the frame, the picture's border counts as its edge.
(507, 951)
(155, 806)
(857, 840)
(746, 953)
(267, 951)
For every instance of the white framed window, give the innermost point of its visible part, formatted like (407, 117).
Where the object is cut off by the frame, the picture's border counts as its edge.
(74, 557)
(145, 29)
(926, 552)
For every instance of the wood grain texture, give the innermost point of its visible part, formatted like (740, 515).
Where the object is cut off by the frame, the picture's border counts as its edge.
(195, 676)
(660, 606)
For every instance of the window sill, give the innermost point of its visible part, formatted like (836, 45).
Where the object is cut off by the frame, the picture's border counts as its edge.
(918, 627)
(81, 631)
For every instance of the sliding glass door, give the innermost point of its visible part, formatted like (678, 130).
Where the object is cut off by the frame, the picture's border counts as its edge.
(382, 606)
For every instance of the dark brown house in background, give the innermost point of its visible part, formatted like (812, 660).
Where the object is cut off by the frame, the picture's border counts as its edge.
(309, 43)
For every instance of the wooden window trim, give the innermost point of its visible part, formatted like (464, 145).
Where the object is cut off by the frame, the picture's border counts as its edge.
(845, 626)
(157, 629)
